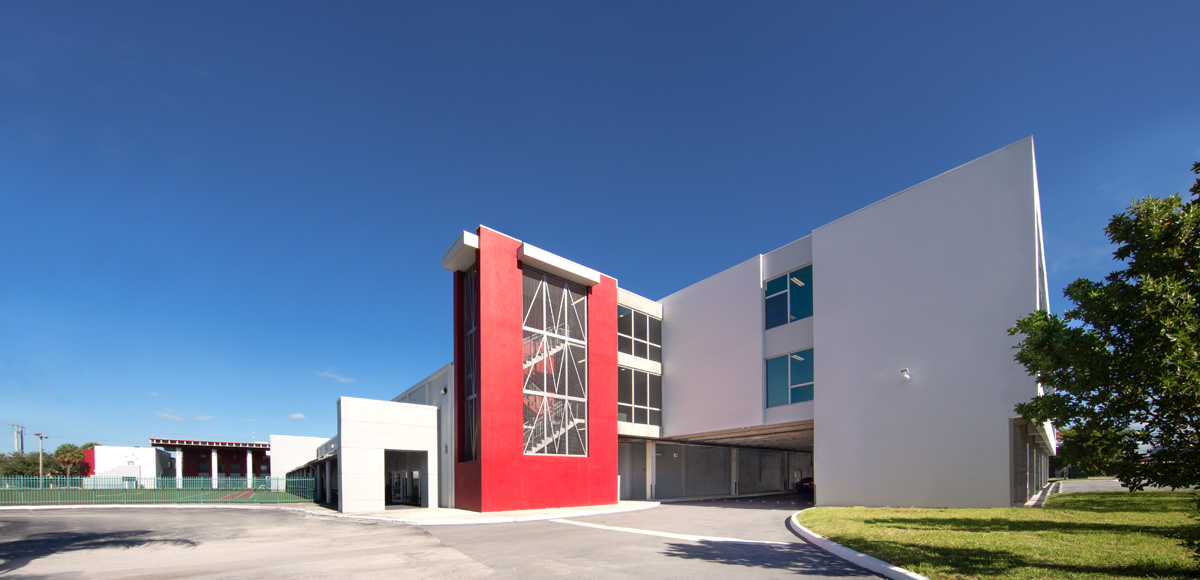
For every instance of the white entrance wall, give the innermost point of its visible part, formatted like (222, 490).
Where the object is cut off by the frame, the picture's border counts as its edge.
(289, 452)
(366, 428)
(438, 390)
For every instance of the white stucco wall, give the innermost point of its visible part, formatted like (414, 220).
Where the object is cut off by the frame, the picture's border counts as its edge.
(928, 279)
(140, 462)
(366, 428)
(291, 451)
(713, 353)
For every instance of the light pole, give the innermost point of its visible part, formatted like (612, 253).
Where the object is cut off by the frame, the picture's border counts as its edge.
(40, 438)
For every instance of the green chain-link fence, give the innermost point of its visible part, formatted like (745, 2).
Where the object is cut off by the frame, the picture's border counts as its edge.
(21, 490)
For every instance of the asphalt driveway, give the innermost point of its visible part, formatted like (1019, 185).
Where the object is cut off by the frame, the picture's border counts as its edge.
(704, 539)
(712, 539)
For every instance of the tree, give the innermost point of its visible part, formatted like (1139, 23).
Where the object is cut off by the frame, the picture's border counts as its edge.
(1088, 453)
(25, 464)
(68, 455)
(1123, 365)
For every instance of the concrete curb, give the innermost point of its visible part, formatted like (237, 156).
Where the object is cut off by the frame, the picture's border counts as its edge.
(857, 558)
(337, 515)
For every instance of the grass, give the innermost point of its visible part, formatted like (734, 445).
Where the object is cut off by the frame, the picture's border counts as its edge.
(1089, 535)
(75, 496)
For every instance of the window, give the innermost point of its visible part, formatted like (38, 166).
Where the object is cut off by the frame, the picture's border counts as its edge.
(639, 334)
(790, 378)
(639, 397)
(789, 297)
(470, 332)
(554, 365)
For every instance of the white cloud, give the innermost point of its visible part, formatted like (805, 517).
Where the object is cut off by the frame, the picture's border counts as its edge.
(329, 373)
(249, 420)
(297, 416)
(154, 394)
(169, 415)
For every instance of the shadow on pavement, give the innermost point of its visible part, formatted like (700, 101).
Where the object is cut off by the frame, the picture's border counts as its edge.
(794, 501)
(798, 558)
(16, 554)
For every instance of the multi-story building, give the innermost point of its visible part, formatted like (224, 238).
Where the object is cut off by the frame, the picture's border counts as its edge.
(871, 355)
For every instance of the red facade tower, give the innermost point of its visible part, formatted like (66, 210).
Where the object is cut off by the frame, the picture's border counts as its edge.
(536, 377)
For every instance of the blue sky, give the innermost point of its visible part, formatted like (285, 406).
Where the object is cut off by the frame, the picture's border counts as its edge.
(216, 216)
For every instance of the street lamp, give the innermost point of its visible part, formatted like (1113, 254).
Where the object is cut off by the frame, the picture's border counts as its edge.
(40, 438)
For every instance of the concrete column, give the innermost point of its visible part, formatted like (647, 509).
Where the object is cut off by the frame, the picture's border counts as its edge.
(651, 469)
(249, 468)
(733, 471)
(179, 468)
(328, 476)
(214, 468)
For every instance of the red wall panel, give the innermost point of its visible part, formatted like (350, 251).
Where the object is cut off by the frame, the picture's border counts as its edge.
(505, 477)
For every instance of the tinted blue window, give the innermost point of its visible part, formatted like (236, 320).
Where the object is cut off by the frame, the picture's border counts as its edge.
(800, 293)
(624, 321)
(777, 311)
(776, 285)
(801, 394)
(777, 381)
(802, 367)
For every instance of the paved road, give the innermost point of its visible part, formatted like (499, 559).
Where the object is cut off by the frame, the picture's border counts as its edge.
(690, 540)
(713, 539)
(217, 543)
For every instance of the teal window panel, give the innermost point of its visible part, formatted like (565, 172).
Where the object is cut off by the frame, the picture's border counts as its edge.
(802, 367)
(800, 294)
(776, 285)
(777, 381)
(777, 311)
(802, 393)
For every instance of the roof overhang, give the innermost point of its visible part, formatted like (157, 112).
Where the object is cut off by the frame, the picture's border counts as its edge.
(461, 256)
(557, 265)
(156, 442)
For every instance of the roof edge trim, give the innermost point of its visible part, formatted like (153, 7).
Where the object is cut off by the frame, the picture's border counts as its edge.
(461, 254)
(557, 265)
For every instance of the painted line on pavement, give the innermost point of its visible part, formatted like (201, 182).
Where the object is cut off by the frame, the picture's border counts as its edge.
(673, 536)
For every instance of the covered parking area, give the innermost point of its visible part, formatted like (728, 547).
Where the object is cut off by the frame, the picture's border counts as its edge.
(731, 462)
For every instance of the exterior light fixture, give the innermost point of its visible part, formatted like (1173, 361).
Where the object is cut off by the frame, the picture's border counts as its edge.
(904, 373)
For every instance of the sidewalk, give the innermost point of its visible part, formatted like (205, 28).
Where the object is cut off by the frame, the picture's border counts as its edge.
(399, 514)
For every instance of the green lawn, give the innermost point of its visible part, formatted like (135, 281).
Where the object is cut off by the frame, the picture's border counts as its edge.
(1092, 535)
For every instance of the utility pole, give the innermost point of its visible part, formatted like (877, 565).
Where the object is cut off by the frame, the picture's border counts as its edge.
(40, 439)
(18, 438)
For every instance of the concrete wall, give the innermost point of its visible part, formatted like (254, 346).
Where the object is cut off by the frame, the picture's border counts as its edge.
(365, 429)
(928, 279)
(713, 353)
